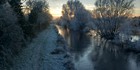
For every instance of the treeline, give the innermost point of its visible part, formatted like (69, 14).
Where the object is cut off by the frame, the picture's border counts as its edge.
(111, 22)
(18, 28)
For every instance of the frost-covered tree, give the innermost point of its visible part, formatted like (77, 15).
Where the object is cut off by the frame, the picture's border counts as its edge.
(16, 5)
(109, 8)
(74, 19)
(110, 14)
(113, 23)
(39, 16)
(69, 11)
(11, 36)
(136, 25)
(130, 32)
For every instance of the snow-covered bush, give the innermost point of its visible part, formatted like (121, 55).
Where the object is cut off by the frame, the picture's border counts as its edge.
(11, 38)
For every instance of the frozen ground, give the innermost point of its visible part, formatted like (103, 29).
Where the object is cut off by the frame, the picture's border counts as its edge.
(38, 55)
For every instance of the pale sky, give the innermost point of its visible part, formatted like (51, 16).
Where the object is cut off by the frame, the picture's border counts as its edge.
(56, 6)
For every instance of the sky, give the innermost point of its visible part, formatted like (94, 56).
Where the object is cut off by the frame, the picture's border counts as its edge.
(56, 6)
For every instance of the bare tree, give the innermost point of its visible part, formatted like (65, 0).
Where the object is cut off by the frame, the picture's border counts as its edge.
(110, 15)
(109, 18)
(110, 8)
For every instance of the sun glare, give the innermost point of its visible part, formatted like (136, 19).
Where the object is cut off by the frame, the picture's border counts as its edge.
(56, 12)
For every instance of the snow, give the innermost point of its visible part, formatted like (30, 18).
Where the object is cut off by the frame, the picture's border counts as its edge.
(135, 38)
(38, 54)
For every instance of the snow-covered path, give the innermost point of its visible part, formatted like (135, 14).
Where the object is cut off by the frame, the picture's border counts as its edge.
(38, 54)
